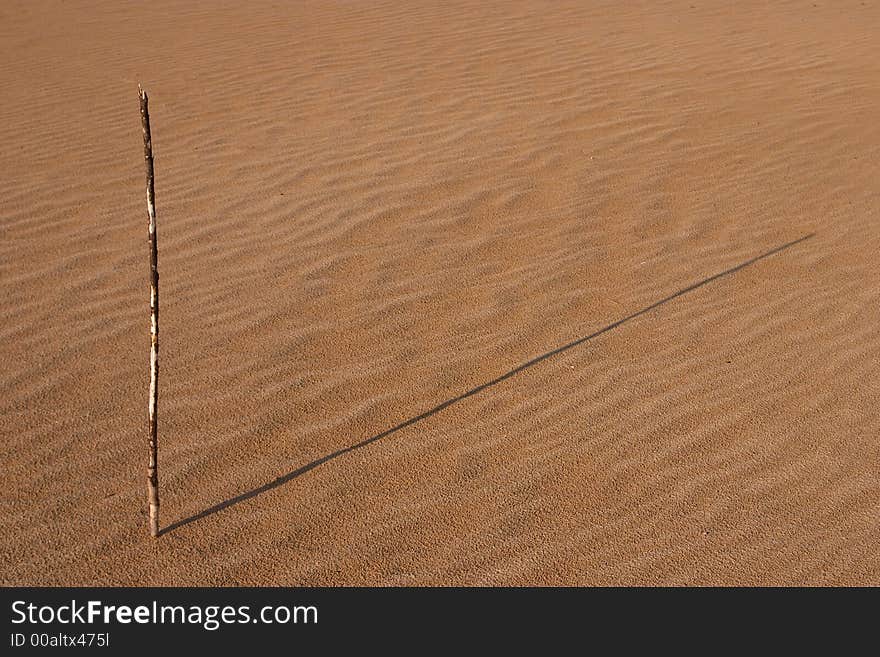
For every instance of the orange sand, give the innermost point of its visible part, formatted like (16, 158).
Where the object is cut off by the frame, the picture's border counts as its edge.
(370, 210)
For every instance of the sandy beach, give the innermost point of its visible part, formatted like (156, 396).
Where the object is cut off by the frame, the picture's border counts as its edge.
(452, 293)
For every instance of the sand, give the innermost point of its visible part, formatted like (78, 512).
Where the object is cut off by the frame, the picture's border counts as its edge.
(452, 292)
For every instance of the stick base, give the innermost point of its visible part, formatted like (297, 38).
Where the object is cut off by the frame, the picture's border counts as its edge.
(154, 520)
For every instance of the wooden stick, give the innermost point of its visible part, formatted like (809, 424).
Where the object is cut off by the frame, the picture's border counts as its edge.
(152, 469)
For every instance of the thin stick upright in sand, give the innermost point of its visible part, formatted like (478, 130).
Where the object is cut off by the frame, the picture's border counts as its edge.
(152, 469)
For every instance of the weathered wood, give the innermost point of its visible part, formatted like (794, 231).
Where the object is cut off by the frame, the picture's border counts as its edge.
(152, 469)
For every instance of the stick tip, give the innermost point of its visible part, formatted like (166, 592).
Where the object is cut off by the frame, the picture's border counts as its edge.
(141, 93)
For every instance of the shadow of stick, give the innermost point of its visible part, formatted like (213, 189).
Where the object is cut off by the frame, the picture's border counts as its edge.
(280, 481)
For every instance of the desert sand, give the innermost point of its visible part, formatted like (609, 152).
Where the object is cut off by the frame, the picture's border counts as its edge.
(469, 293)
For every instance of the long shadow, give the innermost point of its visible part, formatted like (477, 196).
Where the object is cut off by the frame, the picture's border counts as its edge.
(283, 479)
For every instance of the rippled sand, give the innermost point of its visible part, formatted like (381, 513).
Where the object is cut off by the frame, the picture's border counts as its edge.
(440, 292)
